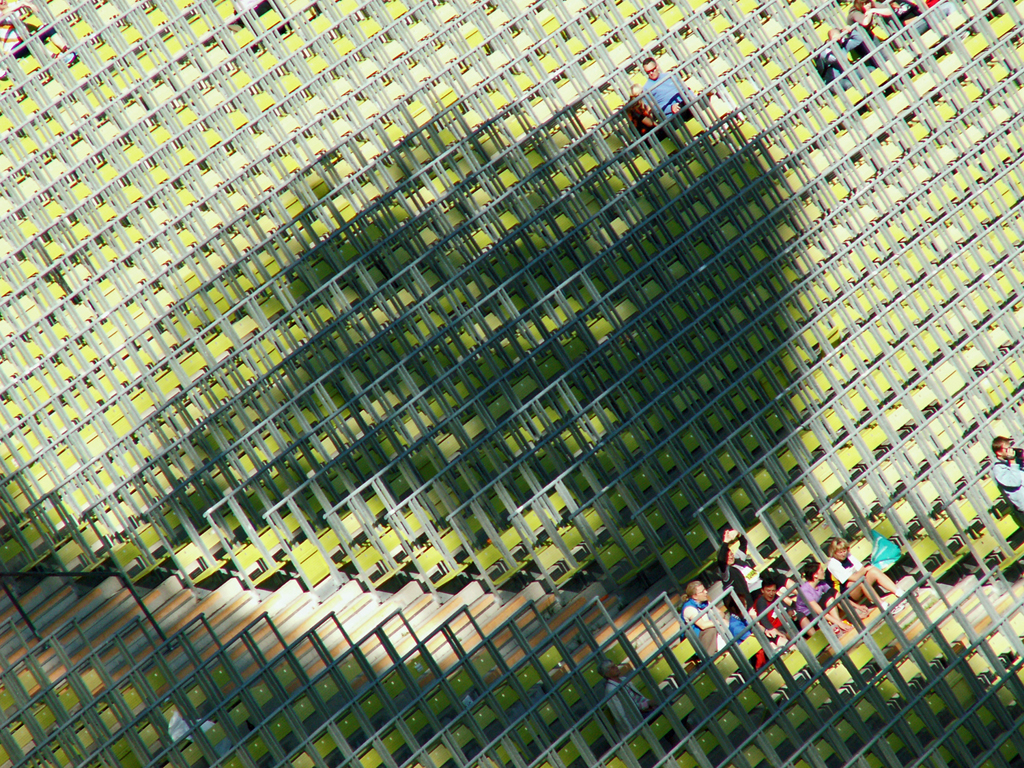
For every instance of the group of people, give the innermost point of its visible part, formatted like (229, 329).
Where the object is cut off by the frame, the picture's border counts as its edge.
(861, 32)
(766, 597)
(769, 596)
(665, 93)
(748, 597)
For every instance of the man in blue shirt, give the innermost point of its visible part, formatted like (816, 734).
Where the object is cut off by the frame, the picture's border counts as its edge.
(674, 98)
(671, 95)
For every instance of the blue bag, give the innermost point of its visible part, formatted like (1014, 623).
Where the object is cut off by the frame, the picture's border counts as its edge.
(884, 553)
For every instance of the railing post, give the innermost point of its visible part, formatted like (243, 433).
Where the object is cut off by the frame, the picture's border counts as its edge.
(17, 605)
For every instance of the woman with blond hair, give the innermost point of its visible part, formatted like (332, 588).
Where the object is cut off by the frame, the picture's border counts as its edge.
(844, 568)
(639, 111)
(696, 622)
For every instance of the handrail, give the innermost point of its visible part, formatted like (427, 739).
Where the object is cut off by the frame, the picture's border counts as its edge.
(65, 575)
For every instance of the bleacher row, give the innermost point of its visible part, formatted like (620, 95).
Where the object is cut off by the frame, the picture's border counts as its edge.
(281, 679)
(504, 336)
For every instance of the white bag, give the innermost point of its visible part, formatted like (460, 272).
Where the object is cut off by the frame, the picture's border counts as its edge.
(177, 726)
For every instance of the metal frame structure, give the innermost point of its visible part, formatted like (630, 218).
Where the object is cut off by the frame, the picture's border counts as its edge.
(377, 291)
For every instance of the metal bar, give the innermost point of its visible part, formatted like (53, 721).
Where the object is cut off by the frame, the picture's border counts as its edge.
(17, 605)
(65, 575)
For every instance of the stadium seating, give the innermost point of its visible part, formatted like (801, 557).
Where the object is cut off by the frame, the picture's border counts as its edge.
(376, 295)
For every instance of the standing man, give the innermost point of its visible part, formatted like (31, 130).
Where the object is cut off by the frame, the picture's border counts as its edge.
(1008, 472)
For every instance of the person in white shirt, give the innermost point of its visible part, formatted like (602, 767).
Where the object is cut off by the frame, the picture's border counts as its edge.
(844, 568)
(625, 698)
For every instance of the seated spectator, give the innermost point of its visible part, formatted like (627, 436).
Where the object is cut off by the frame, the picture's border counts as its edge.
(905, 15)
(827, 63)
(625, 699)
(899, 13)
(813, 595)
(671, 95)
(765, 606)
(865, 12)
(853, 43)
(905, 10)
(639, 112)
(857, 45)
(697, 623)
(737, 620)
(844, 568)
(12, 43)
